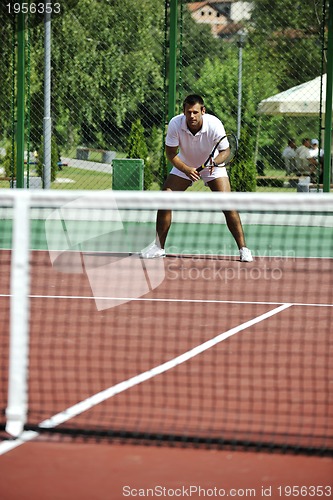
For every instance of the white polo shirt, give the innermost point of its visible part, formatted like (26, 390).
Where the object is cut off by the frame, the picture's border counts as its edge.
(195, 149)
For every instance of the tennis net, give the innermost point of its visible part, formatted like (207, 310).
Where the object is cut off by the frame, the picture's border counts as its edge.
(196, 348)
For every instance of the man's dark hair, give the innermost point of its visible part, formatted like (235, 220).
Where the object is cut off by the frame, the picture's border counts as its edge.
(193, 99)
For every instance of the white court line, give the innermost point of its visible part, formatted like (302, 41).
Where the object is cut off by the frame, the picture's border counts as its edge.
(102, 396)
(9, 445)
(154, 299)
(225, 257)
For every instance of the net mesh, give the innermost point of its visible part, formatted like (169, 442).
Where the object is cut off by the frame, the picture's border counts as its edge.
(194, 348)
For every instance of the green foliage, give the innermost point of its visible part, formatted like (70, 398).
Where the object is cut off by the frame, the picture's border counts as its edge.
(6, 71)
(136, 144)
(194, 54)
(108, 68)
(288, 33)
(54, 158)
(113, 67)
(243, 173)
(137, 148)
(270, 15)
(9, 162)
(157, 158)
(243, 176)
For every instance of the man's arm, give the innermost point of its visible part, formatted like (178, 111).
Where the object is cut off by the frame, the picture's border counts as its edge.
(222, 156)
(172, 156)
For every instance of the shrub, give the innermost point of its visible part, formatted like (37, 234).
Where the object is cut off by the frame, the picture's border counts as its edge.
(137, 148)
(9, 162)
(243, 176)
(243, 172)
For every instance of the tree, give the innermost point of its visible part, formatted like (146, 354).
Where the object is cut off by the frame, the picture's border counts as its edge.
(108, 70)
(243, 171)
(9, 161)
(289, 32)
(137, 148)
(6, 72)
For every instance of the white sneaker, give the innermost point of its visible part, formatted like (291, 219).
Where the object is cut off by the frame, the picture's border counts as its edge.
(152, 251)
(245, 255)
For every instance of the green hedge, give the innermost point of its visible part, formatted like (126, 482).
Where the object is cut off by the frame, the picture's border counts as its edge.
(243, 176)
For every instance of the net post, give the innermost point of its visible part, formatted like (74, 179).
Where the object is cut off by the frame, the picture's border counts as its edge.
(17, 406)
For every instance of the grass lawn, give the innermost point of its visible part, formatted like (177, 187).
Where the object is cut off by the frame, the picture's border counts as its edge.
(4, 185)
(75, 178)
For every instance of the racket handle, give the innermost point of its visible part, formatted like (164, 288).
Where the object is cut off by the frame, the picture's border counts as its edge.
(204, 166)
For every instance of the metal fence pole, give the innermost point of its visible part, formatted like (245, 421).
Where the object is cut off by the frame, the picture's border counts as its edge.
(20, 100)
(47, 124)
(173, 58)
(240, 43)
(328, 109)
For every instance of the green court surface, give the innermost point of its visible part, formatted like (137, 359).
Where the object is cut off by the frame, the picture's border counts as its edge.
(308, 238)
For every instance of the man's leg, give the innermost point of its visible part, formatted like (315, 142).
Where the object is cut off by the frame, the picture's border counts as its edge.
(164, 217)
(233, 220)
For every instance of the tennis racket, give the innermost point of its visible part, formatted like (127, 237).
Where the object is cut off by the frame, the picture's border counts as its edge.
(233, 145)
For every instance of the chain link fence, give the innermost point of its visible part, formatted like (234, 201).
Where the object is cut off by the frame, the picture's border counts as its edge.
(109, 88)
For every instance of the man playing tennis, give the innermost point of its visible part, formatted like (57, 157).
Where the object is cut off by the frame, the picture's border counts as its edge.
(189, 142)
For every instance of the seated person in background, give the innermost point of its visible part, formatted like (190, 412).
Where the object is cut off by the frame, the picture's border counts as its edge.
(314, 150)
(305, 163)
(289, 155)
(319, 156)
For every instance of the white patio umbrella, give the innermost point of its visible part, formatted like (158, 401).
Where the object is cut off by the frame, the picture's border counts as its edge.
(301, 100)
